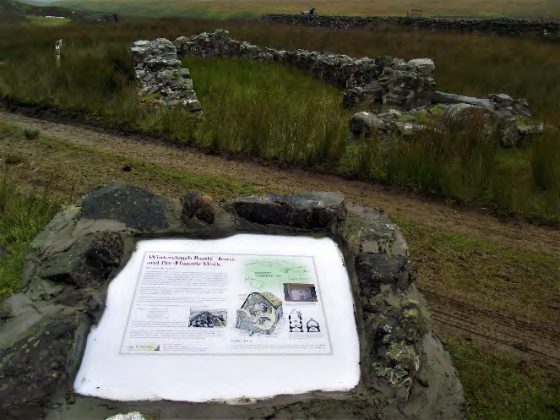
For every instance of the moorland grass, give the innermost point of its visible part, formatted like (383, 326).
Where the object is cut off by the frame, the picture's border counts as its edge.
(22, 216)
(253, 8)
(505, 387)
(271, 111)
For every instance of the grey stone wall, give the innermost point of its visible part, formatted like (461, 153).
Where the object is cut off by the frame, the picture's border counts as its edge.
(162, 80)
(383, 80)
(504, 26)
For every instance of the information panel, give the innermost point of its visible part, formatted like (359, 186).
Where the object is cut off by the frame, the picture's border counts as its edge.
(226, 304)
(243, 317)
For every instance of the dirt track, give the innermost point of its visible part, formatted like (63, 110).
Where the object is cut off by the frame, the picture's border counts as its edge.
(453, 313)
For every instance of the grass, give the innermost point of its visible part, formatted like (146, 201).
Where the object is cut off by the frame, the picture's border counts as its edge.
(22, 216)
(503, 388)
(253, 8)
(268, 110)
(500, 276)
(274, 112)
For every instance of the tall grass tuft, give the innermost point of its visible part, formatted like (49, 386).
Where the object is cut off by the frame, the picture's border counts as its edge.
(545, 162)
(268, 110)
(459, 160)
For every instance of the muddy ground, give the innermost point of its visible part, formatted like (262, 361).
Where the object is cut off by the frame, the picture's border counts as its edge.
(69, 159)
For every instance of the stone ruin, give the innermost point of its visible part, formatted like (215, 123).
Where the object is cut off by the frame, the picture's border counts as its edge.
(405, 371)
(162, 80)
(398, 97)
(397, 83)
(510, 119)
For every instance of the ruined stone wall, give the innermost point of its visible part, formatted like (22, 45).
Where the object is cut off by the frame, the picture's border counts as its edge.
(503, 26)
(384, 80)
(162, 80)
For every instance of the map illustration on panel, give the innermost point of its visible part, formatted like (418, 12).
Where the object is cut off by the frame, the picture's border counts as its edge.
(267, 274)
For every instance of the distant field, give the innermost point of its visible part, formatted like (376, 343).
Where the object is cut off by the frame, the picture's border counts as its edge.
(253, 8)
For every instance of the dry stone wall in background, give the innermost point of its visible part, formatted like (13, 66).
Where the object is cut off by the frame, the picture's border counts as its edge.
(497, 25)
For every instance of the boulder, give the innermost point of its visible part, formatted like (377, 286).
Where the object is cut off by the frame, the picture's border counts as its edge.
(314, 210)
(365, 124)
(131, 205)
(199, 206)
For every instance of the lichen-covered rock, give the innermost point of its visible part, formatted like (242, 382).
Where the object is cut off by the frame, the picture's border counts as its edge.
(490, 121)
(307, 210)
(375, 270)
(89, 262)
(133, 206)
(32, 368)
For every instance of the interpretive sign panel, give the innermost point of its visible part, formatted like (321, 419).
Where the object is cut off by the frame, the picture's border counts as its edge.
(249, 316)
(199, 303)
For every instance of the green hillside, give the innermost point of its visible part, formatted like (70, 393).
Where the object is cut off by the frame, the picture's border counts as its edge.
(254, 8)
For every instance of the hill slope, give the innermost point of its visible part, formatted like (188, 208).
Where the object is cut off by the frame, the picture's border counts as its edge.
(253, 8)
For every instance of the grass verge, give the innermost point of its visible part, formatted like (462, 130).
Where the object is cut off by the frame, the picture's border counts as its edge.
(22, 216)
(504, 388)
(524, 282)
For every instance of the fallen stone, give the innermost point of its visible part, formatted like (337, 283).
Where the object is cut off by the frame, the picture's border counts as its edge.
(451, 98)
(365, 124)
